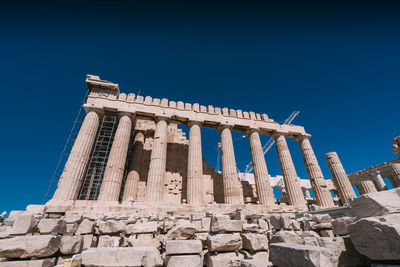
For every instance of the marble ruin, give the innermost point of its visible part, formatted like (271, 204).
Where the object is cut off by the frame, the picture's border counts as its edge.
(136, 191)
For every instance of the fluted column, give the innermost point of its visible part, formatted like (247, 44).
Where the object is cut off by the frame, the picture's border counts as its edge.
(396, 173)
(233, 193)
(340, 178)
(158, 162)
(321, 192)
(261, 176)
(114, 173)
(135, 166)
(75, 167)
(365, 187)
(292, 182)
(379, 181)
(195, 183)
(307, 193)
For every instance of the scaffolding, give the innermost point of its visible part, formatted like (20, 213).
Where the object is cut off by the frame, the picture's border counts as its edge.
(98, 160)
(66, 151)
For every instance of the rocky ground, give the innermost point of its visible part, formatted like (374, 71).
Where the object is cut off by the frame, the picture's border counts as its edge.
(372, 237)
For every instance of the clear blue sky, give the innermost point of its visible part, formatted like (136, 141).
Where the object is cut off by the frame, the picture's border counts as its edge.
(336, 62)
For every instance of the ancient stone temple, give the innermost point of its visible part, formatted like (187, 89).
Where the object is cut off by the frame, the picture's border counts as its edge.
(136, 191)
(129, 150)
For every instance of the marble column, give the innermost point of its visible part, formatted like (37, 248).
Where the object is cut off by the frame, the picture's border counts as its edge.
(396, 173)
(75, 167)
(158, 162)
(321, 192)
(135, 166)
(264, 190)
(114, 172)
(365, 187)
(292, 182)
(307, 194)
(233, 193)
(195, 183)
(379, 180)
(340, 178)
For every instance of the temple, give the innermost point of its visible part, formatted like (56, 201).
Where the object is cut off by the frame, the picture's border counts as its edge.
(130, 153)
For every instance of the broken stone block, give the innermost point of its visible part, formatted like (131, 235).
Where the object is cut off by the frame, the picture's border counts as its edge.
(182, 230)
(48, 226)
(284, 236)
(263, 224)
(377, 237)
(71, 244)
(85, 227)
(89, 241)
(135, 256)
(326, 233)
(144, 240)
(237, 225)
(5, 232)
(73, 217)
(71, 228)
(247, 227)
(141, 228)
(111, 227)
(205, 224)
(29, 263)
(254, 242)
(281, 221)
(29, 246)
(321, 218)
(339, 225)
(183, 247)
(184, 260)
(308, 241)
(224, 242)
(106, 241)
(377, 204)
(24, 224)
(221, 224)
(288, 255)
(223, 259)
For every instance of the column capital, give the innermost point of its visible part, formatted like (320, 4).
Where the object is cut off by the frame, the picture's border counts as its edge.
(252, 130)
(162, 118)
(298, 138)
(222, 126)
(194, 122)
(129, 114)
(99, 111)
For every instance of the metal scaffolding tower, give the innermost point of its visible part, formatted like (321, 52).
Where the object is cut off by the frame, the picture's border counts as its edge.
(97, 164)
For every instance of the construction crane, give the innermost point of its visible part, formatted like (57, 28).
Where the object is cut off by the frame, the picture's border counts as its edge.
(271, 141)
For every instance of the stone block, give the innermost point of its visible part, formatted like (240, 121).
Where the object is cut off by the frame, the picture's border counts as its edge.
(137, 256)
(24, 224)
(308, 241)
(377, 204)
(326, 233)
(111, 227)
(224, 242)
(203, 237)
(85, 227)
(182, 230)
(48, 226)
(264, 225)
(237, 225)
(71, 244)
(89, 241)
(254, 242)
(173, 247)
(250, 227)
(321, 218)
(288, 255)
(221, 224)
(339, 225)
(5, 231)
(29, 263)
(284, 236)
(184, 260)
(280, 221)
(71, 228)
(73, 217)
(378, 238)
(144, 240)
(106, 241)
(223, 259)
(29, 246)
(142, 227)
